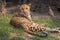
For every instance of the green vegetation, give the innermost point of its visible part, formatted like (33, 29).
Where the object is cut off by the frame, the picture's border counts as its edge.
(6, 29)
(51, 22)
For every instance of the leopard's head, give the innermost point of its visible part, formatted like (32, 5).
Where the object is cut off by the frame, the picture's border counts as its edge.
(24, 8)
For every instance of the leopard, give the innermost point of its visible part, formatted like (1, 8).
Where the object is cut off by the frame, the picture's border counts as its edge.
(23, 19)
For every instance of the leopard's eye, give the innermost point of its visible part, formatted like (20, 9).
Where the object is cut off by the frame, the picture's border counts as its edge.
(26, 8)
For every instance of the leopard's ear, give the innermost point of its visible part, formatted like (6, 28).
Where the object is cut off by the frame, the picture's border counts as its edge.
(19, 7)
(29, 4)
